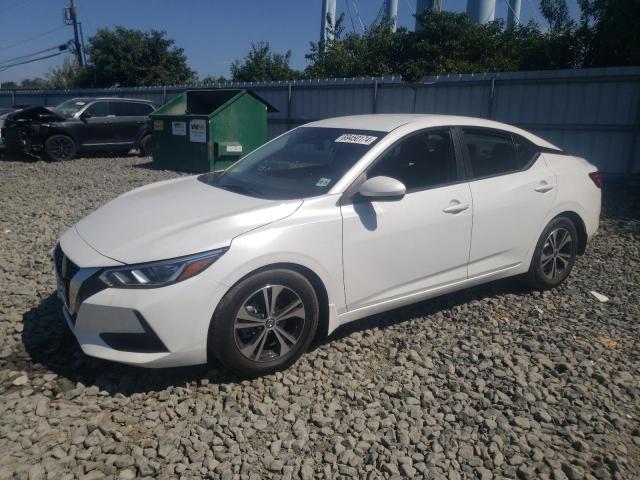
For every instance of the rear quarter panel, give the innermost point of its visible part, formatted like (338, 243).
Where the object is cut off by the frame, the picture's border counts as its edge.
(576, 191)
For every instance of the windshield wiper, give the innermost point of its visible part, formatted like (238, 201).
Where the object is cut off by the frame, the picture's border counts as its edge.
(241, 189)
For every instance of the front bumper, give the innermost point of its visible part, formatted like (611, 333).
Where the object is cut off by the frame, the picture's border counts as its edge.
(159, 327)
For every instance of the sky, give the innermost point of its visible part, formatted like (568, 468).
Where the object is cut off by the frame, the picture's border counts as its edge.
(212, 33)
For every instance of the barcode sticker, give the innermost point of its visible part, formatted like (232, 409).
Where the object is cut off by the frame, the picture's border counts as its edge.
(356, 138)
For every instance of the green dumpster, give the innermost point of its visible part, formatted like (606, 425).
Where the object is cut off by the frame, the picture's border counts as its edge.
(208, 130)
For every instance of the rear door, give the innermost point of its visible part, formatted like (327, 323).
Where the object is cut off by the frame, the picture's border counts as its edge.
(128, 119)
(512, 190)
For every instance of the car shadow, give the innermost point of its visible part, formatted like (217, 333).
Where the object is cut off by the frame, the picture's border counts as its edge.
(426, 308)
(51, 346)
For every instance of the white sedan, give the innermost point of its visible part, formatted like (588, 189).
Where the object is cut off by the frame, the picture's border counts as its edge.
(331, 222)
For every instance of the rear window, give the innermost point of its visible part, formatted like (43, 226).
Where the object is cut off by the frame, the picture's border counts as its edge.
(490, 153)
(129, 109)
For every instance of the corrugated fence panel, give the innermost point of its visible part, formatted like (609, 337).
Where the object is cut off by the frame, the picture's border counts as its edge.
(594, 113)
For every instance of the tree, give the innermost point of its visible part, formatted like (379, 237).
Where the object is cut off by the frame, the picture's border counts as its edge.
(556, 13)
(376, 52)
(64, 77)
(128, 57)
(35, 82)
(263, 65)
(9, 84)
(214, 79)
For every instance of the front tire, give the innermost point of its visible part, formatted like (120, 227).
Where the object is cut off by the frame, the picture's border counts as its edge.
(264, 323)
(60, 147)
(555, 254)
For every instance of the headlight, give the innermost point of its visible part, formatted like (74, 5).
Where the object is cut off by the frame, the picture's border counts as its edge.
(159, 274)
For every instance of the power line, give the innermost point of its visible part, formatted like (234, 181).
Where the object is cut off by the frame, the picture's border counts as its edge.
(57, 47)
(26, 40)
(17, 4)
(355, 8)
(353, 25)
(6, 67)
(516, 17)
(413, 12)
(535, 12)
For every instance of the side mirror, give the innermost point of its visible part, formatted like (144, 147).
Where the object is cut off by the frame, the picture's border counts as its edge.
(382, 187)
(85, 115)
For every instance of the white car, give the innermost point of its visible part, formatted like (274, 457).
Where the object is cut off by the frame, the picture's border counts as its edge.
(331, 222)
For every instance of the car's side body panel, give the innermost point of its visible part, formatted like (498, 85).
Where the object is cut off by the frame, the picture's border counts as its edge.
(396, 247)
(576, 191)
(103, 132)
(508, 216)
(371, 256)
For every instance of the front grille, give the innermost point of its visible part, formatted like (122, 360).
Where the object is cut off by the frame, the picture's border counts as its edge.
(65, 270)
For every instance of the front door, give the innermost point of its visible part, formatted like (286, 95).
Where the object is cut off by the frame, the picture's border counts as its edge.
(513, 192)
(94, 127)
(393, 248)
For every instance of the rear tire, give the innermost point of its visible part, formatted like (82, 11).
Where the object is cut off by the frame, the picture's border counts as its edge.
(555, 254)
(60, 147)
(146, 146)
(264, 323)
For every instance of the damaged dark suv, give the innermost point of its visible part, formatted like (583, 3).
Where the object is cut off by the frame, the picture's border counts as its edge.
(80, 125)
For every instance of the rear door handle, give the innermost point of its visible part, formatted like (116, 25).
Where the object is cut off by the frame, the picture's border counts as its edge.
(545, 187)
(456, 208)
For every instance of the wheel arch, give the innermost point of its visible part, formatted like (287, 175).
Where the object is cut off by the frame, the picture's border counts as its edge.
(580, 227)
(313, 278)
(52, 130)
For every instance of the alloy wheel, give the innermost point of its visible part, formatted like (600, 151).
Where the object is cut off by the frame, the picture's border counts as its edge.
(555, 258)
(61, 148)
(269, 323)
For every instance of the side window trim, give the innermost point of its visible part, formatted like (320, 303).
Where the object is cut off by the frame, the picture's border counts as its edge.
(535, 155)
(95, 102)
(490, 130)
(459, 178)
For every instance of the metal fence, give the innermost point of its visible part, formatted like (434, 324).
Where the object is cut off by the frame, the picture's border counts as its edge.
(594, 113)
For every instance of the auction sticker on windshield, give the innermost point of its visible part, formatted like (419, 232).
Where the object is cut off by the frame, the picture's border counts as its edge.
(356, 138)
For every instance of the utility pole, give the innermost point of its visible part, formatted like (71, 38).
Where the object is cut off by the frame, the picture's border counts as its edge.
(72, 18)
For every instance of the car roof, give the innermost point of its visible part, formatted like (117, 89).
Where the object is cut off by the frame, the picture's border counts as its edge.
(386, 122)
(93, 99)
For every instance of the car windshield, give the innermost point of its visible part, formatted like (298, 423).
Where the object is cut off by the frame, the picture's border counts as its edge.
(69, 108)
(305, 162)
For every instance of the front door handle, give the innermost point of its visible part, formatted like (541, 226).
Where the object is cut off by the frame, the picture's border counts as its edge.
(543, 188)
(456, 208)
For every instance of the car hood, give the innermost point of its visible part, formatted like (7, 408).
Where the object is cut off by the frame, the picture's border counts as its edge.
(33, 115)
(175, 218)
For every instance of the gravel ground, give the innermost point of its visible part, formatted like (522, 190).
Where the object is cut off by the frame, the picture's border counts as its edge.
(496, 381)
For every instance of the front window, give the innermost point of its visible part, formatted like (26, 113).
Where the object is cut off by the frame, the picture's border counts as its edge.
(305, 162)
(69, 108)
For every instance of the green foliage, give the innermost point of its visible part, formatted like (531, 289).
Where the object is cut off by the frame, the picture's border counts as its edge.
(261, 64)
(373, 53)
(610, 28)
(128, 57)
(556, 13)
(64, 77)
(213, 79)
(35, 82)
(447, 42)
